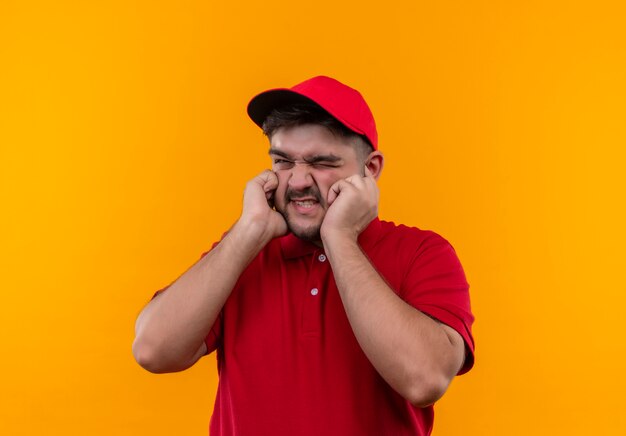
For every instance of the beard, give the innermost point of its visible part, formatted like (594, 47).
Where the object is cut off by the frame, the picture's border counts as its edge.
(310, 233)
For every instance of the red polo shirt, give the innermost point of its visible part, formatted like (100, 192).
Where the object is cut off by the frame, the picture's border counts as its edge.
(288, 360)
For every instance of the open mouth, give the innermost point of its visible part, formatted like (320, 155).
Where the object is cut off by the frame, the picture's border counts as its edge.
(304, 205)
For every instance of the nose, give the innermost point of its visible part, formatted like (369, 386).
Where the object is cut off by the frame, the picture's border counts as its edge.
(300, 177)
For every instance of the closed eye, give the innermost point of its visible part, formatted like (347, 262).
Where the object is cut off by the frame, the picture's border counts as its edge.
(283, 164)
(325, 161)
(325, 165)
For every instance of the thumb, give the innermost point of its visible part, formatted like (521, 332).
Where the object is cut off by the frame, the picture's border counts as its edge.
(334, 191)
(271, 182)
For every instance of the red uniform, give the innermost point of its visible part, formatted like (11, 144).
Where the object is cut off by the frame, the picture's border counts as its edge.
(288, 360)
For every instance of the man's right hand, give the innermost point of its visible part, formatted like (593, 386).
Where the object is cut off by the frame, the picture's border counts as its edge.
(258, 216)
(170, 331)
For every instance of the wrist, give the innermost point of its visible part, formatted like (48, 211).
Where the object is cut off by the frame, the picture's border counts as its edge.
(331, 236)
(250, 235)
(337, 243)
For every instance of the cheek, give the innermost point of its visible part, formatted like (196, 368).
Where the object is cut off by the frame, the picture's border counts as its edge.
(324, 181)
(282, 184)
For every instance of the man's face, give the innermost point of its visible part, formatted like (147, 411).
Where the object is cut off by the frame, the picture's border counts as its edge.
(308, 160)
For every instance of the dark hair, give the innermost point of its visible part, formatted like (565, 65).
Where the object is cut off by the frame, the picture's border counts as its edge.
(301, 113)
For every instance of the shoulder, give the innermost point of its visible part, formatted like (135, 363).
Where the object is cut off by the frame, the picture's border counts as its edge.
(408, 237)
(416, 251)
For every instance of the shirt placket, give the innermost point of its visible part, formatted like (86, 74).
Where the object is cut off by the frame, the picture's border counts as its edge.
(315, 294)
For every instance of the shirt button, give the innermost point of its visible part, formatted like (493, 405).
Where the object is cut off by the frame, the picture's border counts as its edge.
(321, 258)
(314, 291)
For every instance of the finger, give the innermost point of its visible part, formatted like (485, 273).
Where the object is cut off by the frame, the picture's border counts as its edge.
(356, 180)
(260, 178)
(334, 191)
(270, 181)
(269, 196)
(263, 176)
(267, 180)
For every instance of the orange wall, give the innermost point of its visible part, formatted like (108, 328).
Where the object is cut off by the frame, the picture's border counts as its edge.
(124, 149)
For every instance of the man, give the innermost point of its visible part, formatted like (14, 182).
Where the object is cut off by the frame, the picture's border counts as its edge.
(326, 320)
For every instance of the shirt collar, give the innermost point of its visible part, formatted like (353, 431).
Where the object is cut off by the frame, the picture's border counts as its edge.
(293, 247)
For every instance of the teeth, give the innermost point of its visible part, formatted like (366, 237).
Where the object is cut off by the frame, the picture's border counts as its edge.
(307, 203)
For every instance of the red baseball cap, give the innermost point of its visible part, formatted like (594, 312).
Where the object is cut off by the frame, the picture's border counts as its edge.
(345, 104)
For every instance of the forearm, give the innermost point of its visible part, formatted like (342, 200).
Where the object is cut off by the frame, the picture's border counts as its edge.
(172, 327)
(411, 351)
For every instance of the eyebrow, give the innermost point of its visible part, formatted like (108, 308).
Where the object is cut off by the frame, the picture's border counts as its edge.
(323, 158)
(280, 153)
(313, 159)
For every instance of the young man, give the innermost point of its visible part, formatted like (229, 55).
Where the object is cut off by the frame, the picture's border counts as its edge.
(326, 320)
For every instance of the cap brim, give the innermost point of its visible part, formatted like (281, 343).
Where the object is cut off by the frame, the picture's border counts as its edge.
(263, 104)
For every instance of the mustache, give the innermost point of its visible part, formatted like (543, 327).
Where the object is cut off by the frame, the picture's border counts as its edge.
(293, 194)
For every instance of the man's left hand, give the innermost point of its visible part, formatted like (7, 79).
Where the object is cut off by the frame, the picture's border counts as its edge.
(352, 205)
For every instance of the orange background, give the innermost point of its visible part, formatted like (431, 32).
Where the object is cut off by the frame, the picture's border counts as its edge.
(125, 148)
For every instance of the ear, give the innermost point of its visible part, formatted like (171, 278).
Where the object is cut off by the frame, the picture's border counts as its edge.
(374, 163)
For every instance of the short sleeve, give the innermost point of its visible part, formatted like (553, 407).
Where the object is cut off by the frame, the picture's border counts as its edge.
(435, 284)
(215, 334)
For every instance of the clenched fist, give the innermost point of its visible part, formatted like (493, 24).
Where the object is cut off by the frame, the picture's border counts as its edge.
(353, 204)
(258, 215)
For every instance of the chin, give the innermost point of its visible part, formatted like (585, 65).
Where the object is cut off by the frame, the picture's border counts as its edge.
(311, 234)
(305, 231)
